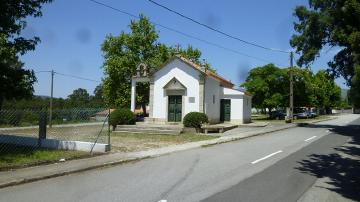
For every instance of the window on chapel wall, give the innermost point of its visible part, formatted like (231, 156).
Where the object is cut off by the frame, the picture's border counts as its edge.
(213, 99)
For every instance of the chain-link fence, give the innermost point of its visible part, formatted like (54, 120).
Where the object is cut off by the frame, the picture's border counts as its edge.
(69, 129)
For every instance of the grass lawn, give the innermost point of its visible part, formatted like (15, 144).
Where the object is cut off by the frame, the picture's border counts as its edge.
(12, 156)
(140, 142)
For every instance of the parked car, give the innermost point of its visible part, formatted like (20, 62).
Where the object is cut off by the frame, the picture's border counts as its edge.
(303, 113)
(278, 115)
(313, 114)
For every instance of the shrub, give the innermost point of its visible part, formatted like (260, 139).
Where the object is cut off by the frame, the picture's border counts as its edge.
(195, 120)
(121, 117)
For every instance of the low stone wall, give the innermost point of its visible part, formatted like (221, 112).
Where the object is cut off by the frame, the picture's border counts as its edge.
(54, 144)
(338, 111)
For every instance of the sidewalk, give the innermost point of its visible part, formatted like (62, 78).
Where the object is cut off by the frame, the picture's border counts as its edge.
(15, 177)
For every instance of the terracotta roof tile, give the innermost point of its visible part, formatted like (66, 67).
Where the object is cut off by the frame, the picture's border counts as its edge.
(223, 81)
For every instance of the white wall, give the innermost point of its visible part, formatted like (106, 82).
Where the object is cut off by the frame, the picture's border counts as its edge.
(236, 110)
(240, 105)
(212, 88)
(247, 109)
(188, 76)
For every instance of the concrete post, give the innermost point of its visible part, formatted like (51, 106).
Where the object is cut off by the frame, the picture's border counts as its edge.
(133, 95)
(42, 127)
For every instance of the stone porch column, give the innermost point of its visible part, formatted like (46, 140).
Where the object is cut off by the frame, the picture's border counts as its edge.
(133, 95)
(202, 93)
(151, 98)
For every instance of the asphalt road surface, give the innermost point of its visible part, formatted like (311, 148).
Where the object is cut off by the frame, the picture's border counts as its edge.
(279, 166)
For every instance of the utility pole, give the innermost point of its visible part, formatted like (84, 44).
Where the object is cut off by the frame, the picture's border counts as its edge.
(291, 110)
(51, 97)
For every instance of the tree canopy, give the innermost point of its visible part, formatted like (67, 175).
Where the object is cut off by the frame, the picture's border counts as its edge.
(269, 86)
(123, 53)
(78, 99)
(16, 82)
(331, 23)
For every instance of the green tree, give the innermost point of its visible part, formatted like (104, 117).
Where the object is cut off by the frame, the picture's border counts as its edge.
(266, 85)
(333, 23)
(15, 82)
(79, 98)
(302, 78)
(97, 100)
(122, 55)
(326, 93)
(125, 52)
(269, 86)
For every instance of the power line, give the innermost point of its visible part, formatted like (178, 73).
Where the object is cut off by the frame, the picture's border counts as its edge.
(69, 75)
(77, 77)
(42, 72)
(216, 30)
(183, 33)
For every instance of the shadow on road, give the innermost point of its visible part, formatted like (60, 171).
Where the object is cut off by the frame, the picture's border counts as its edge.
(342, 166)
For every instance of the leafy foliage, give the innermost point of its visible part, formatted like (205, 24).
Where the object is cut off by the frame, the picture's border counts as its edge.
(266, 85)
(122, 117)
(334, 23)
(269, 86)
(195, 119)
(16, 82)
(13, 13)
(79, 97)
(123, 53)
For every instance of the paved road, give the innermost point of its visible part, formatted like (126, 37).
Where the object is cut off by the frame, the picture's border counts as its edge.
(288, 179)
(263, 168)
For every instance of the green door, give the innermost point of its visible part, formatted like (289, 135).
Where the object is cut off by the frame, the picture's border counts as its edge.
(225, 108)
(174, 108)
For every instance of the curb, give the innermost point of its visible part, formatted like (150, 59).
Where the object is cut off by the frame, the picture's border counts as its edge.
(134, 159)
(34, 179)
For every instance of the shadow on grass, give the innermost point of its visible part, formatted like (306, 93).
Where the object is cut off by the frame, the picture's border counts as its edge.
(14, 156)
(342, 166)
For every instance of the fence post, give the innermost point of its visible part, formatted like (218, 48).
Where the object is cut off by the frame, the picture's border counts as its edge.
(42, 127)
(109, 129)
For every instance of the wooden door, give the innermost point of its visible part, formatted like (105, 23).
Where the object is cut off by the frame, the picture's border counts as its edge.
(175, 108)
(225, 110)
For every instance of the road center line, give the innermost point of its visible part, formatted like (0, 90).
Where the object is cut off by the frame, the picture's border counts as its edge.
(310, 138)
(268, 156)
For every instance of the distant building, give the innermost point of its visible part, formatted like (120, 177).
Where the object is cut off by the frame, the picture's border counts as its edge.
(181, 86)
(101, 116)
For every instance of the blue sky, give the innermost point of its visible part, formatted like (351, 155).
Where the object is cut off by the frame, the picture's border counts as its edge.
(72, 32)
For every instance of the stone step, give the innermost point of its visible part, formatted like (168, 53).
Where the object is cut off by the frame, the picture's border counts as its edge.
(171, 124)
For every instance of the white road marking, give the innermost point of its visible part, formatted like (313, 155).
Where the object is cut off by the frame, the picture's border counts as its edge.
(163, 200)
(268, 156)
(310, 138)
